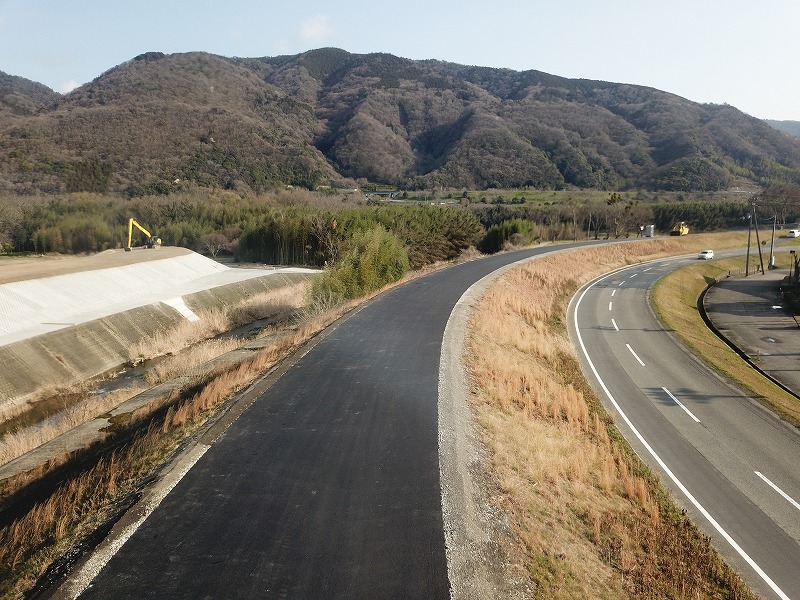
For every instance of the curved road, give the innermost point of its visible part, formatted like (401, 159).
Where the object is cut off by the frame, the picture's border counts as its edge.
(733, 465)
(327, 486)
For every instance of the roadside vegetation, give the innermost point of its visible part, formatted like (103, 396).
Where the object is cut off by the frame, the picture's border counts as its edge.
(590, 519)
(296, 226)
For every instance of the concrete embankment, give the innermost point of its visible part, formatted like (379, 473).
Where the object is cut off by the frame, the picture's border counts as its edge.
(83, 319)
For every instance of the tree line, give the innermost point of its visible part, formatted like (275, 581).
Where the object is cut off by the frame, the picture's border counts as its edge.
(316, 230)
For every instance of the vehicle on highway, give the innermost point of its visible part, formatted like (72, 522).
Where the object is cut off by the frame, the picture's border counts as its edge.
(706, 255)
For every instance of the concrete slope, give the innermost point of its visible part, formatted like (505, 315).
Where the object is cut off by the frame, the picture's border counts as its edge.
(81, 322)
(36, 306)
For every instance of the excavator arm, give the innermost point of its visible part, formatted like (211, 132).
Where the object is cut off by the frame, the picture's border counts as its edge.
(153, 241)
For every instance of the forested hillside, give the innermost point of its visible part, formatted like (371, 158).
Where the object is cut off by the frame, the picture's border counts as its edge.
(328, 117)
(790, 127)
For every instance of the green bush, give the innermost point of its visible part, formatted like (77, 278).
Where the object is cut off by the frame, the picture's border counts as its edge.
(520, 232)
(375, 258)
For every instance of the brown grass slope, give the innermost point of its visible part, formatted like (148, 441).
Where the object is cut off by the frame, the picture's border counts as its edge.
(589, 520)
(330, 116)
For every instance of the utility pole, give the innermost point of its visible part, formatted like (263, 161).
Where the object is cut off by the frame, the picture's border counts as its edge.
(772, 244)
(749, 233)
(758, 239)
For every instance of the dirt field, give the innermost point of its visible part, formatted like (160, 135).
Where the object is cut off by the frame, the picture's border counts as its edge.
(34, 267)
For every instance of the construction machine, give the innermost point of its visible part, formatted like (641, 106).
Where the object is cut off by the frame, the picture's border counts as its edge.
(680, 228)
(153, 241)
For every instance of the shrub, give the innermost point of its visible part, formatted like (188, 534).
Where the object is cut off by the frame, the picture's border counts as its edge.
(375, 258)
(519, 232)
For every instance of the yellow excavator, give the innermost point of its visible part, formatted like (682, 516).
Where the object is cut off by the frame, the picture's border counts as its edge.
(153, 241)
(681, 228)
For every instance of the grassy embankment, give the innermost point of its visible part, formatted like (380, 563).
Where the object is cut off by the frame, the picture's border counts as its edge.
(675, 302)
(590, 519)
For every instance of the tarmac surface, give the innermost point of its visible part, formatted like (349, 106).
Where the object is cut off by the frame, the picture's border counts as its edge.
(751, 314)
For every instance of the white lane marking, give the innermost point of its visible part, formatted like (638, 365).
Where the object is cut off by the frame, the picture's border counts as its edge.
(632, 276)
(791, 500)
(621, 283)
(636, 356)
(614, 323)
(739, 550)
(610, 304)
(79, 581)
(647, 269)
(613, 292)
(679, 403)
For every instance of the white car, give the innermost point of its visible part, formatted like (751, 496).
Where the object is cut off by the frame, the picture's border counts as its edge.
(793, 233)
(706, 255)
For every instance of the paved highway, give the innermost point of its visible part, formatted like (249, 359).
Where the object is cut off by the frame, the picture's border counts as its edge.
(729, 462)
(327, 486)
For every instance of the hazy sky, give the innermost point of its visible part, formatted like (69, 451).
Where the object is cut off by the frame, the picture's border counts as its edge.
(739, 52)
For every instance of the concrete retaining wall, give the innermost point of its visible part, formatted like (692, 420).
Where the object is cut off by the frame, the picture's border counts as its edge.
(95, 346)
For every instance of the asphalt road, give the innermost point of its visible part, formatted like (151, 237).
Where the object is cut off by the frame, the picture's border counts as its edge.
(729, 462)
(328, 485)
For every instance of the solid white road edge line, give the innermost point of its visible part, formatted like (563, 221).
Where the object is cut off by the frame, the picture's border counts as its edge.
(79, 581)
(739, 550)
(779, 490)
(679, 403)
(636, 356)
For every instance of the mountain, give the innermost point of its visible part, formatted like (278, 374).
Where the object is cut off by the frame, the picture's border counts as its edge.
(329, 117)
(790, 127)
(19, 96)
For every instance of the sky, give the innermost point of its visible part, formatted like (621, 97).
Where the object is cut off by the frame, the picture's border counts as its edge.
(739, 52)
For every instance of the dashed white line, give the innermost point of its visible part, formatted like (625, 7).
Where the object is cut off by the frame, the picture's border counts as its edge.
(613, 292)
(737, 548)
(610, 304)
(614, 323)
(621, 283)
(791, 500)
(632, 276)
(636, 356)
(679, 403)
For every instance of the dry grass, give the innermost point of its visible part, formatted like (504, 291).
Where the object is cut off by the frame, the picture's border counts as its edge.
(590, 519)
(60, 410)
(17, 443)
(30, 544)
(276, 305)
